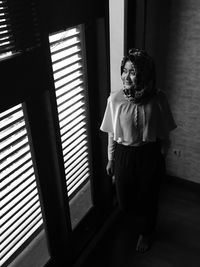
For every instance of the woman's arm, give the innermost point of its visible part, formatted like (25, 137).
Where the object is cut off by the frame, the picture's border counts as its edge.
(111, 147)
(111, 154)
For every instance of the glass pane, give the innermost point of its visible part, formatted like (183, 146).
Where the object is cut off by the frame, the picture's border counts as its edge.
(21, 231)
(67, 57)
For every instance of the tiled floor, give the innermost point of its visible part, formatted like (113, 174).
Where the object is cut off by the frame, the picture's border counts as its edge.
(177, 239)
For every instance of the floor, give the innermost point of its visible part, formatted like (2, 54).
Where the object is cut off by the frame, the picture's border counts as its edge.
(177, 238)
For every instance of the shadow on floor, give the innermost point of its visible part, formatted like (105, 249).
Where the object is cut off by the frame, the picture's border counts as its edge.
(176, 242)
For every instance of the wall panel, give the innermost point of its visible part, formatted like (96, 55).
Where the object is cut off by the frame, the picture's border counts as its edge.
(173, 37)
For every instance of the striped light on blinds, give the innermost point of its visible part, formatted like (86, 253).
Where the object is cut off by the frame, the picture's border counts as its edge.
(20, 212)
(6, 39)
(19, 27)
(69, 79)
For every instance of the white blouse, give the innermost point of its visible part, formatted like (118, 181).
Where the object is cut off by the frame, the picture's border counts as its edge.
(132, 124)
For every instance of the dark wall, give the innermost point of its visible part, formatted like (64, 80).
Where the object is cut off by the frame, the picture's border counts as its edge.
(59, 13)
(172, 38)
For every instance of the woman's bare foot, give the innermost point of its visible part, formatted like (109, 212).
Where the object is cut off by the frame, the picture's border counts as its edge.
(143, 244)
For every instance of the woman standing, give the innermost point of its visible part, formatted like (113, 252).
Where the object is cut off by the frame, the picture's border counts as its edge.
(138, 121)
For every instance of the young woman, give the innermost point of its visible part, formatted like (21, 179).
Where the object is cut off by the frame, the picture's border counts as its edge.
(138, 121)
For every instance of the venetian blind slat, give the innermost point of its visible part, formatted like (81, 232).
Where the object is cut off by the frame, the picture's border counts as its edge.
(72, 161)
(77, 114)
(14, 148)
(20, 210)
(77, 170)
(69, 80)
(19, 27)
(33, 203)
(14, 230)
(69, 61)
(20, 205)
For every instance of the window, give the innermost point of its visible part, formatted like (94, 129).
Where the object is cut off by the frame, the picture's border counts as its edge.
(20, 212)
(18, 27)
(67, 54)
(54, 135)
(6, 44)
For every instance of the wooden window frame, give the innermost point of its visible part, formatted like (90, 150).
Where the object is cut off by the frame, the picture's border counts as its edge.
(40, 110)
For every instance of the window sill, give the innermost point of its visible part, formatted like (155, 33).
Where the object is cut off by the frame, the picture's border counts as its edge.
(34, 255)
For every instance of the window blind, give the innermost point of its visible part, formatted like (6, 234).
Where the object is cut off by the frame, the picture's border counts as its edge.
(70, 88)
(20, 212)
(19, 27)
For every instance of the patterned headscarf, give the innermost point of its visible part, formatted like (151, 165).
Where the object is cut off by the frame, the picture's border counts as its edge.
(145, 75)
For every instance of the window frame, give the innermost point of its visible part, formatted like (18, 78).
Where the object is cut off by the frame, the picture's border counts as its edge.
(41, 114)
(16, 218)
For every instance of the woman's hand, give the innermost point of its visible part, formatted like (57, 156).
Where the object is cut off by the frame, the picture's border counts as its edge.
(110, 167)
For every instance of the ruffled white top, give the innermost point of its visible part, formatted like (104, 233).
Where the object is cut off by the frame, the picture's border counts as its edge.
(132, 124)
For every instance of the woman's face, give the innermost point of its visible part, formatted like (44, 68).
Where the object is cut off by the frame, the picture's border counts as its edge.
(128, 75)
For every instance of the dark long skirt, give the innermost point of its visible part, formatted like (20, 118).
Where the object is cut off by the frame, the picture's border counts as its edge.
(138, 174)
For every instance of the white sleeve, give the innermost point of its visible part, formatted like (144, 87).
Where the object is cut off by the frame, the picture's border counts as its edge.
(111, 146)
(107, 123)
